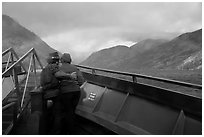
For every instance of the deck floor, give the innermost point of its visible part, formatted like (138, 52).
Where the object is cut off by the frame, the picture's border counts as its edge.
(28, 126)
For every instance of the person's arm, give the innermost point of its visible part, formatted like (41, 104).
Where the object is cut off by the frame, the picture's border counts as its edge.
(62, 75)
(59, 74)
(80, 78)
(46, 80)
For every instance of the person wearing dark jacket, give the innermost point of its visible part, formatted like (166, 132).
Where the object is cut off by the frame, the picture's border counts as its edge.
(70, 93)
(50, 86)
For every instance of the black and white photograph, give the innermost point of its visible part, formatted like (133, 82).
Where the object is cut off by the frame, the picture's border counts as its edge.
(102, 68)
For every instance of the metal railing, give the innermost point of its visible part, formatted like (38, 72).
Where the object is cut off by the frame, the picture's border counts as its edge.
(11, 55)
(14, 75)
(10, 60)
(8, 106)
(135, 76)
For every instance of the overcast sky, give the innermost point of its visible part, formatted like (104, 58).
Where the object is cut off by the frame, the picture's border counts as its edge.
(82, 28)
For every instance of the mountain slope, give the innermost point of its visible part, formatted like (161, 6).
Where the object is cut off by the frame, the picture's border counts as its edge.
(108, 56)
(145, 45)
(21, 39)
(183, 52)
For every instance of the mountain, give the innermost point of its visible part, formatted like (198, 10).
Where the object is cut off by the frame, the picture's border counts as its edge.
(108, 56)
(145, 45)
(21, 39)
(182, 52)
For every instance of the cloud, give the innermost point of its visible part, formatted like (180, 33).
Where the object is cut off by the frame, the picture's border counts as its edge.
(84, 27)
(81, 43)
(148, 17)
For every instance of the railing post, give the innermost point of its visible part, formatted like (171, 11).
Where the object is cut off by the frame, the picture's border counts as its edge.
(34, 69)
(93, 71)
(16, 82)
(134, 79)
(34, 52)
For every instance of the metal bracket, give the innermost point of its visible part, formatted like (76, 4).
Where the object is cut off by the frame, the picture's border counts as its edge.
(180, 123)
(121, 107)
(94, 108)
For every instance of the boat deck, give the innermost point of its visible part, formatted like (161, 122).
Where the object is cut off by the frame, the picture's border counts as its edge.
(27, 126)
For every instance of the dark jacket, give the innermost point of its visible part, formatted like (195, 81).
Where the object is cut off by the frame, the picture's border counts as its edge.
(48, 81)
(71, 85)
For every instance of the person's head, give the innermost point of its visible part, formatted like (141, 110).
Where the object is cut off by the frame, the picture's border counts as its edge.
(53, 58)
(66, 58)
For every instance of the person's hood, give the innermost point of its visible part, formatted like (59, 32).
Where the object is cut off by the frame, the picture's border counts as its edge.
(66, 58)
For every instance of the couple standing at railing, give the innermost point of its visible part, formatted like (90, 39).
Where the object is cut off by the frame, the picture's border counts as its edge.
(60, 83)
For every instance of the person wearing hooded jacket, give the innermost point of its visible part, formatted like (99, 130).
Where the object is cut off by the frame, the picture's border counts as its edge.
(70, 93)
